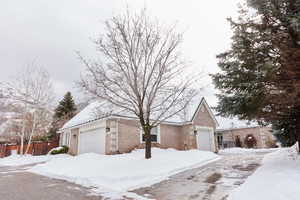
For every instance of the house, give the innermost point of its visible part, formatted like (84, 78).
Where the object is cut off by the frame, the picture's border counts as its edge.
(96, 130)
(241, 133)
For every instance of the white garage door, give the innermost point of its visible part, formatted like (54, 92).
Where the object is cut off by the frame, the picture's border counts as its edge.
(92, 141)
(205, 140)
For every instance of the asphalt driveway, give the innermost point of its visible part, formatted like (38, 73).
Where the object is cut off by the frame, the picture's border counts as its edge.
(17, 184)
(211, 182)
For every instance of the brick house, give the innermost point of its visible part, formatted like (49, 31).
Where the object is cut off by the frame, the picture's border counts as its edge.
(262, 136)
(112, 133)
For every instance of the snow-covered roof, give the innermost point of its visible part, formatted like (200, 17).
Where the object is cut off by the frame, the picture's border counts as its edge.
(89, 113)
(234, 123)
(98, 110)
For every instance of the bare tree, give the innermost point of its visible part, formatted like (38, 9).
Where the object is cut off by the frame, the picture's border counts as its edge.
(32, 92)
(142, 72)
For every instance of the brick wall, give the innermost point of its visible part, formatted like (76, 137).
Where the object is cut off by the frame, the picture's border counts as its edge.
(73, 149)
(203, 118)
(128, 135)
(171, 137)
(261, 134)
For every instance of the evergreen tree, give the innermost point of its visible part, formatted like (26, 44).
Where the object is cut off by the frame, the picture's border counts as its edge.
(66, 108)
(284, 130)
(260, 78)
(63, 112)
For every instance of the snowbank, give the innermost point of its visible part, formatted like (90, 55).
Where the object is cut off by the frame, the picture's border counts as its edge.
(125, 171)
(277, 179)
(237, 150)
(17, 160)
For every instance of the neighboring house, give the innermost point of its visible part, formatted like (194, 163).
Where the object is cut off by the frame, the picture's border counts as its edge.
(248, 137)
(94, 130)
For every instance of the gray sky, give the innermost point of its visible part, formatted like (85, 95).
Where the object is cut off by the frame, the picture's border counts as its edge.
(49, 33)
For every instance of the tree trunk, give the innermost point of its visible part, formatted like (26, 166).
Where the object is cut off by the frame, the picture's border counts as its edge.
(23, 130)
(31, 134)
(298, 131)
(22, 144)
(147, 131)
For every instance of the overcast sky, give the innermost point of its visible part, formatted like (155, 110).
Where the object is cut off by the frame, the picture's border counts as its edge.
(49, 32)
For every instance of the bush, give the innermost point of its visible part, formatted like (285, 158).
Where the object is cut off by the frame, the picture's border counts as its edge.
(59, 150)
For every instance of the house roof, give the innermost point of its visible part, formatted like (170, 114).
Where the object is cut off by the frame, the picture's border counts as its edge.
(228, 123)
(99, 110)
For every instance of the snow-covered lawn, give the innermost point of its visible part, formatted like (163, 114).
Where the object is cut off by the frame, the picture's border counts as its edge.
(278, 178)
(120, 173)
(17, 160)
(236, 150)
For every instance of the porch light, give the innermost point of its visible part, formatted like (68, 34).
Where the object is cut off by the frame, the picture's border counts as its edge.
(195, 132)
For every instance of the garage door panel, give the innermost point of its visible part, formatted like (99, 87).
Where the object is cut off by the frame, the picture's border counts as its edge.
(205, 139)
(92, 141)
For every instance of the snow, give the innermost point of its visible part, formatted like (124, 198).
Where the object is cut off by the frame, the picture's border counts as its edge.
(277, 179)
(98, 110)
(89, 113)
(237, 150)
(123, 172)
(233, 122)
(18, 160)
(55, 149)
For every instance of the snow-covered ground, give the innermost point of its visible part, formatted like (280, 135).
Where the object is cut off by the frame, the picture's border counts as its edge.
(278, 178)
(17, 160)
(237, 150)
(120, 173)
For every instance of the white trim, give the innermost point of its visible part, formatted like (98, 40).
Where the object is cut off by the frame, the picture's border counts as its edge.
(158, 135)
(88, 127)
(136, 119)
(211, 137)
(94, 125)
(117, 134)
(69, 138)
(204, 128)
(87, 130)
(78, 141)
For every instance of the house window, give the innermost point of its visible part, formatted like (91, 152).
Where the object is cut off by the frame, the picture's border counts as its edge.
(220, 140)
(155, 135)
(66, 138)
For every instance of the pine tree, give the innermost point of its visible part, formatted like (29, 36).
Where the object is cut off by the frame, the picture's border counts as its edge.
(66, 108)
(63, 112)
(260, 78)
(284, 130)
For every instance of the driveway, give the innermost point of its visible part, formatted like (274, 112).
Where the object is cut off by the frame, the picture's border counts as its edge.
(17, 184)
(211, 182)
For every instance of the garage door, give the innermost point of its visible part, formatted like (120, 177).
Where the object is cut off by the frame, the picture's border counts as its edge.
(92, 141)
(205, 140)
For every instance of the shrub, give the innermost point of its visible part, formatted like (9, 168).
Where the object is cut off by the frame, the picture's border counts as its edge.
(59, 150)
(250, 141)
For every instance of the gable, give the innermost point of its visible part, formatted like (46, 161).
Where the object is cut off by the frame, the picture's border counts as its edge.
(204, 116)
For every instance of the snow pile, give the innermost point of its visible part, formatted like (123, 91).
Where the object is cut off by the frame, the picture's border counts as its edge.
(237, 150)
(18, 160)
(123, 172)
(277, 179)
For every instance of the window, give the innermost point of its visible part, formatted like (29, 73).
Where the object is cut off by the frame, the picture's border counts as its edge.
(66, 138)
(220, 140)
(155, 135)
